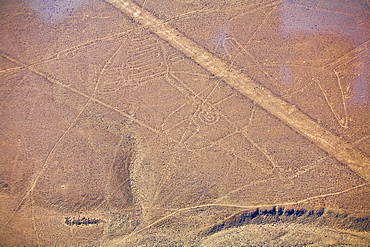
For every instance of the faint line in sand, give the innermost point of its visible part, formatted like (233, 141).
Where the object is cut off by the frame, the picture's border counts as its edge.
(286, 112)
(119, 241)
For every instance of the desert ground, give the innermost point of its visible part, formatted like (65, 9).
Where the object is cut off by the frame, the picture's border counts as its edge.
(184, 123)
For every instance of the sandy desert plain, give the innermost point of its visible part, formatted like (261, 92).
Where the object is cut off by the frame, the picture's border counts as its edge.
(184, 123)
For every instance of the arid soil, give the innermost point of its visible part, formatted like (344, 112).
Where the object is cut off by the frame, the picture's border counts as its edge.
(135, 123)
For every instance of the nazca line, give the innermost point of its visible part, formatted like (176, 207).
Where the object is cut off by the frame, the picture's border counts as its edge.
(286, 112)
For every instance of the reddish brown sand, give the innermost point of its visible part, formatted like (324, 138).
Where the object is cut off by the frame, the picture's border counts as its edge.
(110, 135)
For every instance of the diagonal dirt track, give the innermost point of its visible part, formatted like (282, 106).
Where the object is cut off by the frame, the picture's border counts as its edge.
(278, 107)
(111, 136)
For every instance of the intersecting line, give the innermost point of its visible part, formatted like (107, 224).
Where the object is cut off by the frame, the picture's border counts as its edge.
(275, 105)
